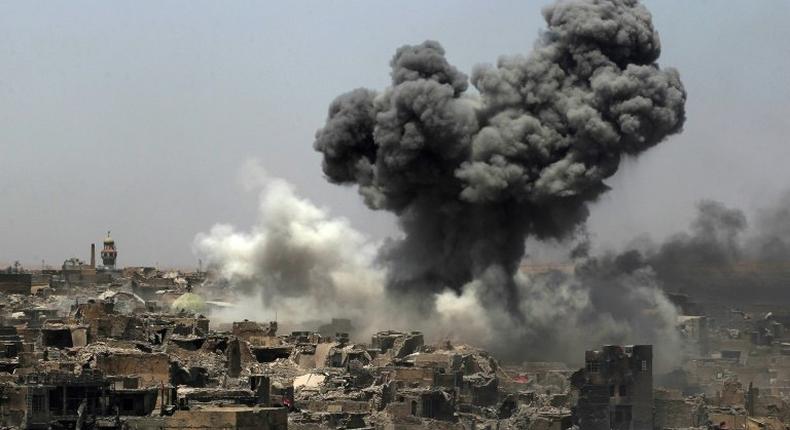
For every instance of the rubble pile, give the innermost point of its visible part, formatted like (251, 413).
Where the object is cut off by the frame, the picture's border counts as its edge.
(123, 354)
(114, 352)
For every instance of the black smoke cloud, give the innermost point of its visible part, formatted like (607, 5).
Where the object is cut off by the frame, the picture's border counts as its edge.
(608, 299)
(770, 241)
(470, 176)
(721, 258)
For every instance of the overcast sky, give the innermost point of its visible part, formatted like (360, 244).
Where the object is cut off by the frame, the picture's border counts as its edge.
(137, 116)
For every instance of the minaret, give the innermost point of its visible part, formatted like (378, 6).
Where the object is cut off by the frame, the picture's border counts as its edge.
(109, 253)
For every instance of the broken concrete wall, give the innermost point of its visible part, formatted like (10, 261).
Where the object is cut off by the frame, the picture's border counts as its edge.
(229, 418)
(336, 406)
(190, 325)
(437, 404)
(153, 369)
(262, 386)
(268, 354)
(79, 336)
(226, 418)
(234, 358)
(412, 376)
(396, 343)
(615, 385)
(92, 309)
(592, 409)
(407, 344)
(484, 391)
(256, 334)
(732, 394)
(13, 405)
(678, 413)
(56, 336)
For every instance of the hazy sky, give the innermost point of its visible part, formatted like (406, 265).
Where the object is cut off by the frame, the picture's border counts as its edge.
(137, 116)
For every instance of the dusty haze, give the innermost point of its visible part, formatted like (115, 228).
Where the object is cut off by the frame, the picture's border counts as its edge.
(470, 176)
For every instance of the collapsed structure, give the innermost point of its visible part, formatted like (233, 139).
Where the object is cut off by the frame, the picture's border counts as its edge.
(114, 360)
(138, 353)
(615, 389)
(470, 177)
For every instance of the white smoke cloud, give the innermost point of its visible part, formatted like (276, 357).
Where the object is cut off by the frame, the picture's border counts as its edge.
(296, 260)
(302, 264)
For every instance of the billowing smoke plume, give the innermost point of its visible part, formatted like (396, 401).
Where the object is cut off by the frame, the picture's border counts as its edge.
(721, 259)
(302, 265)
(606, 301)
(771, 238)
(296, 261)
(471, 176)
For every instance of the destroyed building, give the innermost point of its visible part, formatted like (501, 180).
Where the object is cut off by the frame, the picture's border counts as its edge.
(129, 352)
(135, 350)
(615, 389)
(113, 359)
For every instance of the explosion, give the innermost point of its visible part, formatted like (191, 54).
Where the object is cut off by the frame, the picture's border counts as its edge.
(470, 176)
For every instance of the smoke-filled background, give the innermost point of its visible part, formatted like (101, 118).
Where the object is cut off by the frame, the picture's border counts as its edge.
(470, 175)
(723, 256)
(302, 266)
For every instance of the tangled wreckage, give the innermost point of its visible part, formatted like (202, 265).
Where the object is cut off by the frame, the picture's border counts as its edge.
(135, 351)
(82, 355)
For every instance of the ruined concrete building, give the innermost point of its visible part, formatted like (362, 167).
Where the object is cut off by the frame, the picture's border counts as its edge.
(615, 389)
(119, 355)
(138, 348)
